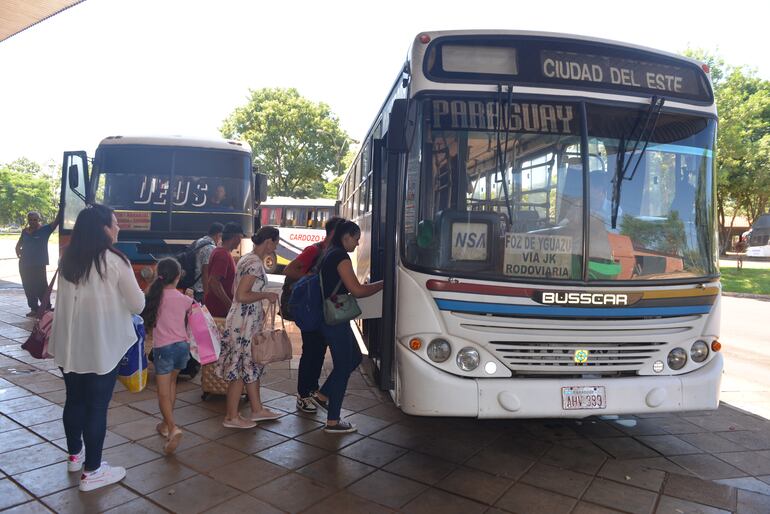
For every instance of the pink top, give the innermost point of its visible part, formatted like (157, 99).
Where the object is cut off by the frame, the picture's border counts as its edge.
(170, 325)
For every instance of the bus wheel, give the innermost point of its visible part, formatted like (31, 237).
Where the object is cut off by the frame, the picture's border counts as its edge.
(271, 263)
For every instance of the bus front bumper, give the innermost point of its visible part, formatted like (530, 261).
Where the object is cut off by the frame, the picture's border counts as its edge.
(424, 390)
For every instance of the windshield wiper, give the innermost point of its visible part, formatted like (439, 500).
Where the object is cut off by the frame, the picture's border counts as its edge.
(502, 156)
(650, 120)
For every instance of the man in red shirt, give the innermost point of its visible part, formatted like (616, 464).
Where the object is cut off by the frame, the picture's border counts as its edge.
(219, 294)
(313, 343)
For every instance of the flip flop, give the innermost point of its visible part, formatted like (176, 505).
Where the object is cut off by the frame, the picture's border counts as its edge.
(241, 423)
(162, 429)
(172, 442)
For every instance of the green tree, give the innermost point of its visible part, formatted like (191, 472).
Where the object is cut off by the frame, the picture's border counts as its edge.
(24, 165)
(743, 142)
(298, 143)
(22, 192)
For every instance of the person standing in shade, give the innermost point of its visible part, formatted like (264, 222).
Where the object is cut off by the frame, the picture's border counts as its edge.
(206, 246)
(219, 295)
(313, 344)
(32, 251)
(92, 330)
(337, 274)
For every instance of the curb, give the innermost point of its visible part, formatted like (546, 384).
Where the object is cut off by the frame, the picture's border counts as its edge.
(762, 297)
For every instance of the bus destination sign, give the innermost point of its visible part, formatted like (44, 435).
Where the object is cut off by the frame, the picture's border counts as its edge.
(614, 71)
(539, 117)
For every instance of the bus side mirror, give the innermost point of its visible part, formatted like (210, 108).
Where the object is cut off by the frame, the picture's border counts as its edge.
(260, 187)
(395, 140)
(73, 176)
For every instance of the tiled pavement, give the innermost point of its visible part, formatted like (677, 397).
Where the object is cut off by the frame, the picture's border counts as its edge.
(705, 462)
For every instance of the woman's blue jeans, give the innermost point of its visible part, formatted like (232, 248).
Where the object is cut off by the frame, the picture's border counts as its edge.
(346, 357)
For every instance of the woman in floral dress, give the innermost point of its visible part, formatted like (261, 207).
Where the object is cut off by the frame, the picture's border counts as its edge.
(246, 317)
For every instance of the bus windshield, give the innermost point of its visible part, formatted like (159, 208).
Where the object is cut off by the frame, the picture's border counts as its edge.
(147, 178)
(506, 191)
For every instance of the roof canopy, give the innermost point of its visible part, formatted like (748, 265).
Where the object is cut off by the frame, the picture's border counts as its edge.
(18, 15)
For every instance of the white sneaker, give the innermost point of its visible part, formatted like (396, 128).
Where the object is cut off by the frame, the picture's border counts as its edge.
(75, 462)
(105, 475)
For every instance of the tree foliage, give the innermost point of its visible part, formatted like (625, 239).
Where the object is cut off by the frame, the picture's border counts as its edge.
(298, 143)
(23, 189)
(743, 141)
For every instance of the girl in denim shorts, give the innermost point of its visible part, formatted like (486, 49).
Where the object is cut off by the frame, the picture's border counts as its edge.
(165, 312)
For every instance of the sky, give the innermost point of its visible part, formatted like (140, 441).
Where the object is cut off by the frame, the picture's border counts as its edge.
(152, 67)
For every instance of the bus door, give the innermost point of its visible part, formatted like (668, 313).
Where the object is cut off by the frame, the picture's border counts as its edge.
(380, 332)
(74, 191)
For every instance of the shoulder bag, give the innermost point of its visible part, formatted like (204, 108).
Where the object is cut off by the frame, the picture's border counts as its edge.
(271, 344)
(37, 343)
(339, 308)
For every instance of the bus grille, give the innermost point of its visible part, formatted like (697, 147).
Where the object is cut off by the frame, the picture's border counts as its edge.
(559, 357)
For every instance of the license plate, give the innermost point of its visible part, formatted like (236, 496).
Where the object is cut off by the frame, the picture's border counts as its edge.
(584, 397)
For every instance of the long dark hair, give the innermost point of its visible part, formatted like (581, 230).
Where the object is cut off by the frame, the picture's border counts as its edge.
(345, 228)
(167, 271)
(263, 234)
(88, 245)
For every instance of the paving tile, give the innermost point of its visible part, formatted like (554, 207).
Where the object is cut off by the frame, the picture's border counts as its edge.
(435, 500)
(48, 480)
(140, 505)
(336, 471)
(292, 492)
(476, 485)
(291, 425)
(24, 403)
(252, 440)
(632, 473)
(405, 436)
(195, 494)
(749, 439)
(47, 386)
(712, 443)
(421, 467)
(557, 480)
(607, 493)
(701, 491)
(668, 445)
(753, 503)
(156, 474)
(596, 428)
(33, 507)
(707, 466)
(155, 442)
(501, 463)
(747, 484)
(367, 425)
(373, 452)
(584, 460)
(525, 499)
(387, 489)
(57, 397)
(292, 454)
(753, 463)
(139, 429)
(192, 414)
(32, 457)
(670, 505)
(51, 430)
(208, 456)
(100, 500)
(346, 503)
(663, 464)
(111, 439)
(592, 508)
(211, 428)
(36, 416)
(716, 423)
(7, 423)
(248, 473)
(637, 426)
(11, 494)
(625, 448)
(242, 504)
(15, 439)
(11, 393)
(128, 455)
(386, 412)
(330, 442)
(123, 414)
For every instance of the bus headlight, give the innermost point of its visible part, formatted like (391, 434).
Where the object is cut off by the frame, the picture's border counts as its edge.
(677, 358)
(699, 351)
(439, 350)
(468, 359)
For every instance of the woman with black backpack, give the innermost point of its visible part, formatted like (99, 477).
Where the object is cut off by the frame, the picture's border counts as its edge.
(339, 279)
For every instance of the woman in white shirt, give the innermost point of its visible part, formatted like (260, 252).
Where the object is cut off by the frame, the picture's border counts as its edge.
(92, 330)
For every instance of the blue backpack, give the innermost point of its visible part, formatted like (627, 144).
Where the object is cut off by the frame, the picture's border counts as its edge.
(306, 303)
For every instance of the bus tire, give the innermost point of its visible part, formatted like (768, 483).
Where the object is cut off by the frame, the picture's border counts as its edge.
(271, 263)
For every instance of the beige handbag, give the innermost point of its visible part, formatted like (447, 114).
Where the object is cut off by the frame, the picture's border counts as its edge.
(271, 344)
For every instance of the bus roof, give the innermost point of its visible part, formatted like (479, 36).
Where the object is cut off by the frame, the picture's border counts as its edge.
(299, 202)
(180, 141)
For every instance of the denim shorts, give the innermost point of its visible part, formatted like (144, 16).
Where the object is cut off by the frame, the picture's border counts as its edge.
(170, 357)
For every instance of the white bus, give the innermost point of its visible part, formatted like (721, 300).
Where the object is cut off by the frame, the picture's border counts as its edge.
(541, 209)
(759, 238)
(301, 223)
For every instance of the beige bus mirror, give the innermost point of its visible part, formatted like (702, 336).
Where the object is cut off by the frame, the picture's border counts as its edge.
(395, 140)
